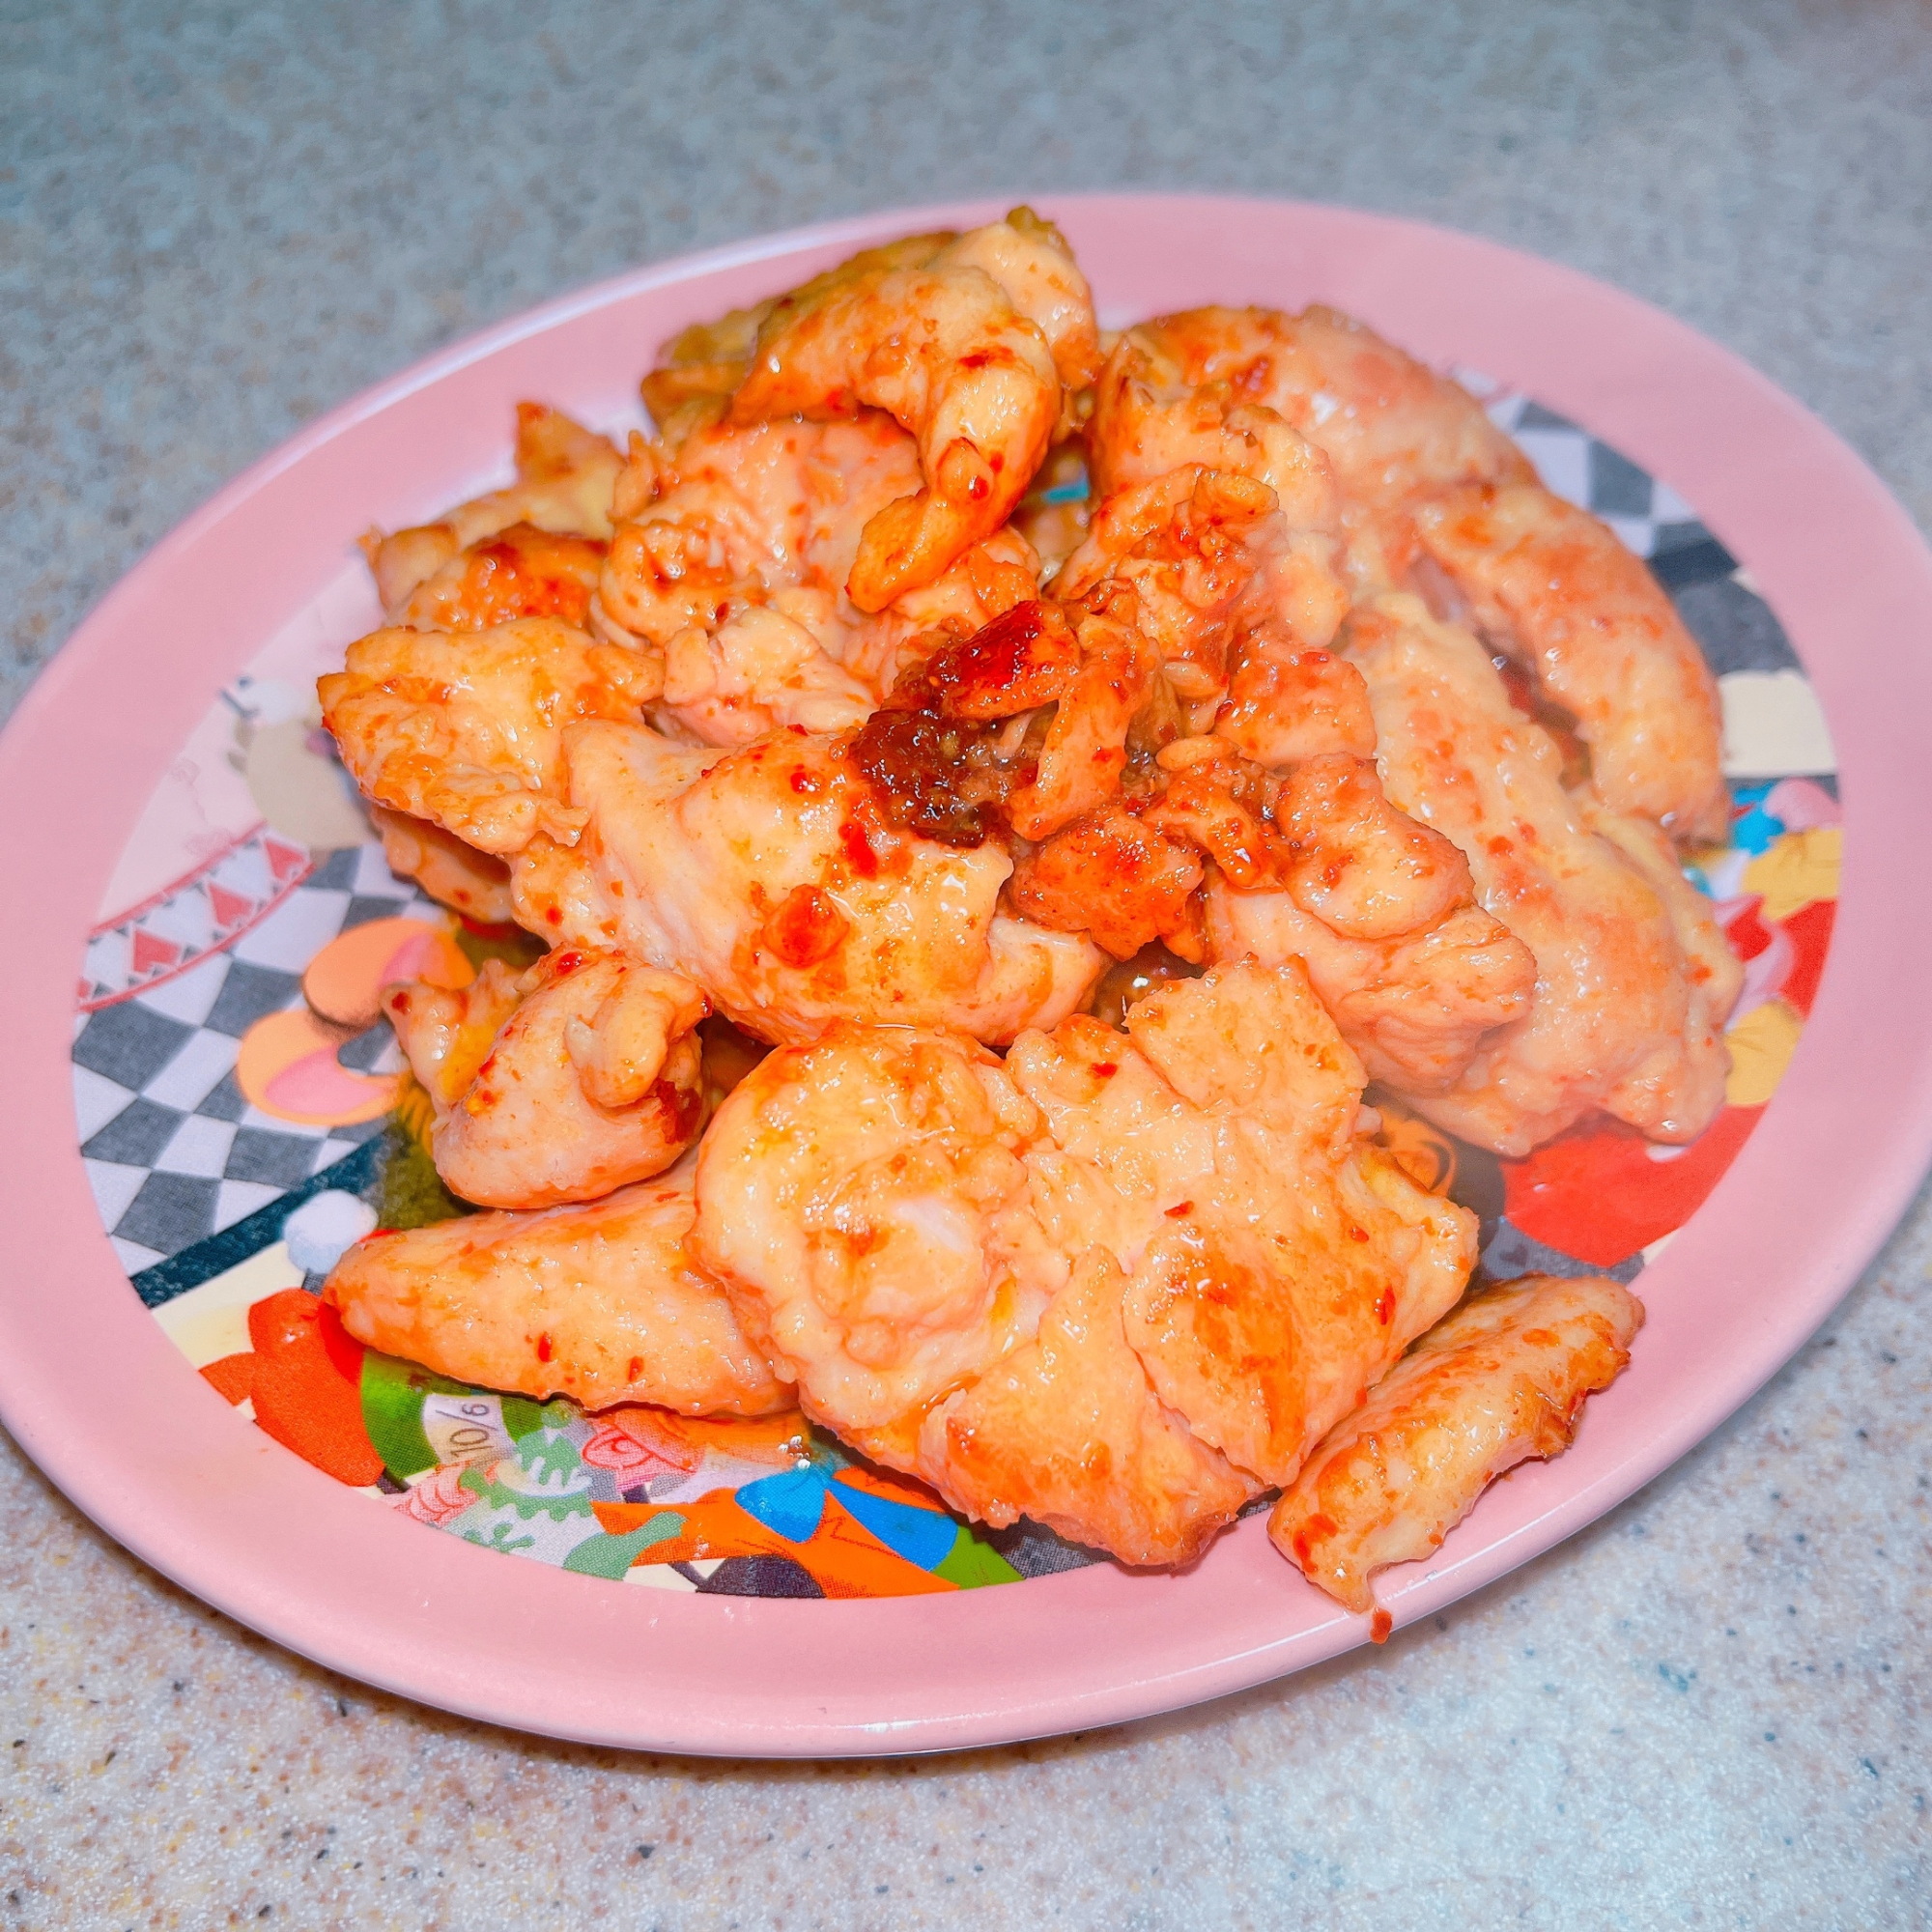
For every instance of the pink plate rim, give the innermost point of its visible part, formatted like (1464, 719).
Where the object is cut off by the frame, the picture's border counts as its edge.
(99, 1396)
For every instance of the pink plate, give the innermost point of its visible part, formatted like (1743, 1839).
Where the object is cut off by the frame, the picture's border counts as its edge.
(167, 1468)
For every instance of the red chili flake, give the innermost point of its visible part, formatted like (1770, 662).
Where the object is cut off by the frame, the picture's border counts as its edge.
(680, 1108)
(1105, 1069)
(1312, 1531)
(1025, 657)
(858, 853)
(543, 1349)
(1386, 1306)
(1179, 1209)
(633, 1368)
(807, 927)
(554, 915)
(1379, 1626)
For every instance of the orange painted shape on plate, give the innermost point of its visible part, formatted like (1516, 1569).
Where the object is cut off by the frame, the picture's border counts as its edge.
(1810, 934)
(344, 982)
(843, 1557)
(305, 1375)
(233, 1376)
(287, 1067)
(1746, 934)
(1600, 1194)
(847, 1560)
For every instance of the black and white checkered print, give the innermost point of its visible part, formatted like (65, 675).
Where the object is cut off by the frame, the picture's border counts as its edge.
(172, 1149)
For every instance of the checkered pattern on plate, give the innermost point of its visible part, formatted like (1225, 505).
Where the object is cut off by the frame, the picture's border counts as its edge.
(172, 1149)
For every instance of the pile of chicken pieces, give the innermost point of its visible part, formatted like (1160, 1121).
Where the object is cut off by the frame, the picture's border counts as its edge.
(945, 677)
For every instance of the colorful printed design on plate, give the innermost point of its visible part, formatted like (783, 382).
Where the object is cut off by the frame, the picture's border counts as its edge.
(765, 1508)
(245, 1117)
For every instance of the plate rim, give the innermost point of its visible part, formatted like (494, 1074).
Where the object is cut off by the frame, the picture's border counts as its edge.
(285, 1549)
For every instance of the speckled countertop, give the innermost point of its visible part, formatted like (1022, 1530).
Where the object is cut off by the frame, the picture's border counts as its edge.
(214, 221)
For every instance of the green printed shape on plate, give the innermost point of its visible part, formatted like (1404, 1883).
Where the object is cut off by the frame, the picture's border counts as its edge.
(543, 1475)
(972, 1564)
(393, 1408)
(408, 1192)
(522, 1416)
(610, 1556)
(392, 1402)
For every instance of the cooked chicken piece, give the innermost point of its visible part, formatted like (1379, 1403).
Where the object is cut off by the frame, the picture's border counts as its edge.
(863, 1201)
(1391, 426)
(1633, 982)
(702, 367)
(1286, 702)
(742, 513)
(1085, 749)
(578, 1076)
(1152, 416)
(1030, 260)
(467, 729)
(599, 1302)
(764, 668)
(554, 893)
(1711, 963)
(1320, 866)
(1209, 556)
(1315, 864)
(1277, 1262)
(1393, 429)
(1024, 732)
(966, 1264)
(968, 352)
(699, 369)
(1116, 878)
(985, 583)
(1418, 461)
(1363, 868)
(522, 571)
(1021, 727)
(1502, 1378)
(473, 883)
(564, 479)
(1417, 1008)
(760, 671)
(1555, 587)
(1067, 1429)
(775, 877)
(733, 555)
(1125, 864)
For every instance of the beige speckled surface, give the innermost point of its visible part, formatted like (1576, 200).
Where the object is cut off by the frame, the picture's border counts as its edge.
(1709, 1710)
